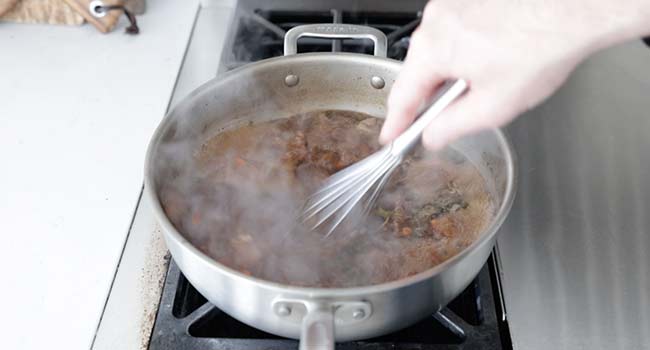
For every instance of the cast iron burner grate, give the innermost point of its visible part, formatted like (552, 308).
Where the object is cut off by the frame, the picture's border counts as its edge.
(259, 34)
(186, 320)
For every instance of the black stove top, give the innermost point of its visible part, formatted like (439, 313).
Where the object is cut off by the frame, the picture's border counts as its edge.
(473, 320)
(259, 27)
(185, 320)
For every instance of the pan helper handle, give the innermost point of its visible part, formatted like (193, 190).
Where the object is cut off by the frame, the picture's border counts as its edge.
(318, 328)
(335, 31)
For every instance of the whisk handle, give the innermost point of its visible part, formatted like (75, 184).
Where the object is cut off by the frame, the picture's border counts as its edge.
(445, 95)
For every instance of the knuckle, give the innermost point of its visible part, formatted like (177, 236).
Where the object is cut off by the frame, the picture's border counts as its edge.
(429, 47)
(436, 10)
(430, 10)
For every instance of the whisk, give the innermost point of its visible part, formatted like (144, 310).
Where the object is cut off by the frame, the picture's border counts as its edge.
(358, 186)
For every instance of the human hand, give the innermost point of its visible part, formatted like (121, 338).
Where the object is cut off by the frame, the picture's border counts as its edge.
(514, 54)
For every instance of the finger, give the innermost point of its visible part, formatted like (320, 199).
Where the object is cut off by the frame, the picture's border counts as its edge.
(414, 85)
(474, 112)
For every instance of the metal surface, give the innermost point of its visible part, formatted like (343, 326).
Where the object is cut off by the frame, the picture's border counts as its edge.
(256, 92)
(185, 321)
(318, 328)
(94, 6)
(335, 31)
(377, 82)
(358, 186)
(575, 250)
(291, 80)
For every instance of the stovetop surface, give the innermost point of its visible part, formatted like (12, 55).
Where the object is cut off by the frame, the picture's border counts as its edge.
(185, 320)
(259, 27)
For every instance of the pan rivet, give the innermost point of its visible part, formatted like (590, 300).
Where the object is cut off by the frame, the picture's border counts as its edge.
(291, 80)
(377, 82)
(358, 314)
(284, 310)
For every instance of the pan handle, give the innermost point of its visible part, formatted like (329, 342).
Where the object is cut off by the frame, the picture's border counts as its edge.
(318, 329)
(335, 31)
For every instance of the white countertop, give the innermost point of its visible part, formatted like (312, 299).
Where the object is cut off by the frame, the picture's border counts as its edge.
(131, 308)
(77, 109)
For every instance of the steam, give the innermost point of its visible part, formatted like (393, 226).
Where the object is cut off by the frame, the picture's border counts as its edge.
(235, 194)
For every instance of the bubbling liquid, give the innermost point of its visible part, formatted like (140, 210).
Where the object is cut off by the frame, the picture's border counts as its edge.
(239, 202)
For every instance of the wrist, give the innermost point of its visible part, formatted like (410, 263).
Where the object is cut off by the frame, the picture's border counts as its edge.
(606, 23)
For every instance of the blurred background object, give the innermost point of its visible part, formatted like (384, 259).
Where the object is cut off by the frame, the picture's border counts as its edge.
(137, 7)
(6, 5)
(39, 11)
(103, 14)
(92, 11)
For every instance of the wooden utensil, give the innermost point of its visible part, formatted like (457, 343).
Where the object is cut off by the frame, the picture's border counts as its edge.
(40, 11)
(6, 5)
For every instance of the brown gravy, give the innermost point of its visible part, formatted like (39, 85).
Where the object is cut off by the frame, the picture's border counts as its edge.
(238, 205)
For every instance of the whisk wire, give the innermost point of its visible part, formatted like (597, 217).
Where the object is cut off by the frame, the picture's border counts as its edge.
(377, 189)
(357, 194)
(350, 172)
(341, 193)
(335, 200)
(316, 202)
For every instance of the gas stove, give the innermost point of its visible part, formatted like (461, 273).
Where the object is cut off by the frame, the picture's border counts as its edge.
(473, 320)
(260, 28)
(185, 320)
(561, 252)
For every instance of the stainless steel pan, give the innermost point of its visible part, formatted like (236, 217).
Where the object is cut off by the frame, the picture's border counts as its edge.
(284, 86)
